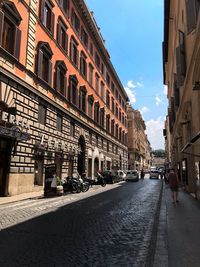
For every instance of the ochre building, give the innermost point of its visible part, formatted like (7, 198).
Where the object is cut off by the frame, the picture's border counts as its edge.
(62, 105)
(181, 65)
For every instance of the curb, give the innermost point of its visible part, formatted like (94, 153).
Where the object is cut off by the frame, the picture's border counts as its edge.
(161, 250)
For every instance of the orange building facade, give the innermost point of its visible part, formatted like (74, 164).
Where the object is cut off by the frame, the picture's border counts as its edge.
(62, 105)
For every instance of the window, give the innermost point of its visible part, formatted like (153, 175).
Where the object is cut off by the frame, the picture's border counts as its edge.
(113, 105)
(120, 114)
(102, 91)
(73, 91)
(108, 79)
(112, 87)
(83, 93)
(113, 127)
(117, 131)
(62, 37)
(90, 105)
(108, 122)
(120, 99)
(192, 9)
(97, 83)
(65, 6)
(84, 37)
(60, 77)
(91, 74)
(75, 22)
(83, 65)
(44, 64)
(102, 113)
(116, 110)
(102, 69)
(97, 60)
(116, 93)
(74, 53)
(46, 15)
(42, 110)
(108, 99)
(181, 59)
(72, 128)
(10, 35)
(123, 137)
(59, 123)
(122, 117)
(96, 112)
(91, 50)
(120, 134)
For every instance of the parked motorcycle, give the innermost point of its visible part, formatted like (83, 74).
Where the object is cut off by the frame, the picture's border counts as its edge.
(99, 181)
(71, 184)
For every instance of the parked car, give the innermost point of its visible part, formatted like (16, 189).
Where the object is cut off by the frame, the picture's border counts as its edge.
(132, 175)
(111, 176)
(154, 174)
(122, 175)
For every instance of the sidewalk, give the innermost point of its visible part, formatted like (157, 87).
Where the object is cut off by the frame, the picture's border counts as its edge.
(37, 194)
(178, 240)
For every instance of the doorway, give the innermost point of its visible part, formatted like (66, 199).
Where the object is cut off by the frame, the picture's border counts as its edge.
(96, 166)
(5, 155)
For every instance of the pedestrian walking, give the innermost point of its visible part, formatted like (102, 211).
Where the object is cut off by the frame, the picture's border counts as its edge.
(173, 183)
(142, 174)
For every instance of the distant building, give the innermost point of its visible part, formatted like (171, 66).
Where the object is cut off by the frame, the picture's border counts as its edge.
(138, 144)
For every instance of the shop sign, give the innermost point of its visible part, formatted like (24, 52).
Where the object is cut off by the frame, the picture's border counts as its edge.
(10, 118)
(54, 144)
(14, 133)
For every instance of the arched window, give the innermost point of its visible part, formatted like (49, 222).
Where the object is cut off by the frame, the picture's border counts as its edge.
(44, 64)
(10, 35)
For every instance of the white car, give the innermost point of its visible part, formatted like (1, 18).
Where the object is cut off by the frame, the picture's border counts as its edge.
(132, 175)
(122, 175)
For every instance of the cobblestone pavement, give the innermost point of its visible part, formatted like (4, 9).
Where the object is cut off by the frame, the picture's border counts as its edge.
(109, 226)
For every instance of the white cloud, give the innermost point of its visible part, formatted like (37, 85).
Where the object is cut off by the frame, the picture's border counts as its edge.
(144, 110)
(154, 131)
(158, 101)
(165, 89)
(131, 94)
(130, 84)
(139, 84)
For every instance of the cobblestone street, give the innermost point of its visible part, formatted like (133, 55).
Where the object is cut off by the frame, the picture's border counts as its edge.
(109, 226)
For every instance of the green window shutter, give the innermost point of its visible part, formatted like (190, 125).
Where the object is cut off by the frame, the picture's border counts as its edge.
(39, 63)
(191, 15)
(50, 73)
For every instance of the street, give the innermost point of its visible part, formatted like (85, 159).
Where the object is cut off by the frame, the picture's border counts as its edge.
(111, 226)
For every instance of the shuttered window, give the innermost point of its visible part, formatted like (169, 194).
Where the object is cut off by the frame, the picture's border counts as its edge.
(65, 6)
(60, 79)
(96, 112)
(75, 21)
(181, 60)
(91, 74)
(83, 65)
(97, 60)
(108, 99)
(10, 34)
(90, 105)
(43, 62)
(112, 127)
(62, 37)
(74, 53)
(73, 90)
(83, 93)
(108, 122)
(192, 9)
(102, 113)
(84, 37)
(47, 16)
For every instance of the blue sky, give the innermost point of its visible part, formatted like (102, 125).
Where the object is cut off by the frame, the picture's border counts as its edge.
(133, 33)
